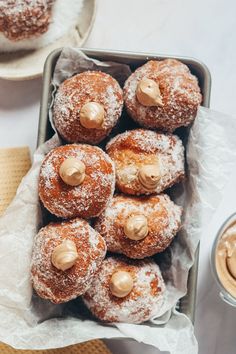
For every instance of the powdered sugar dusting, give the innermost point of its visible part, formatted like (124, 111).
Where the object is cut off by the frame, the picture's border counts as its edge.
(61, 286)
(137, 147)
(164, 220)
(27, 24)
(73, 93)
(24, 19)
(179, 91)
(86, 200)
(144, 301)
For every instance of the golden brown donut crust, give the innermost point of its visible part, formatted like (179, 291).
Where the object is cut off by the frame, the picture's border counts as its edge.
(163, 217)
(21, 20)
(139, 147)
(60, 286)
(142, 303)
(86, 200)
(179, 91)
(73, 93)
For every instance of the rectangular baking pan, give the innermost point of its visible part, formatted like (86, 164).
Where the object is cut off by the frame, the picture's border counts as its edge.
(187, 303)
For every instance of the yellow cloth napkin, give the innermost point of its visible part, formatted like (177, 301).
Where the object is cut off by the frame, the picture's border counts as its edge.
(91, 347)
(14, 164)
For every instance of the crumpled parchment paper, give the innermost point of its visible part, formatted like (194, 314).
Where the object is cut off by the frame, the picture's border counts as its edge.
(28, 322)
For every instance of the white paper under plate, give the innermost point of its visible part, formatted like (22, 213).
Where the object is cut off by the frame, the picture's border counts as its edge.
(25, 65)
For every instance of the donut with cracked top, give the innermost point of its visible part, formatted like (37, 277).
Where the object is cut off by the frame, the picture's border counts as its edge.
(146, 161)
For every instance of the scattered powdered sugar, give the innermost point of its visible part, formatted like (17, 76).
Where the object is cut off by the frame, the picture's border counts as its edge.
(27, 24)
(139, 147)
(73, 93)
(179, 91)
(113, 108)
(88, 199)
(164, 221)
(61, 286)
(21, 19)
(48, 173)
(93, 238)
(142, 303)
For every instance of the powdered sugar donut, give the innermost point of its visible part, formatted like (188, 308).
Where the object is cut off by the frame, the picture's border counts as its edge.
(24, 19)
(28, 24)
(139, 227)
(87, 107)
(126, 291)
(146, 162)
(66, 257)
(76, 180)
(162, 95)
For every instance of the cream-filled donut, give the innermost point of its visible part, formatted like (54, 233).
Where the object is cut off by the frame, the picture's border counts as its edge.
(126, 291)
(146, 162)
(162, 95)
(76, 180)
(87, 107)
(66, 257)
(139, 227)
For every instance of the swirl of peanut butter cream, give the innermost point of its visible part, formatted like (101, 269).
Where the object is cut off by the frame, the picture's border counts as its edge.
(149, 176)
(121, 283)
(225, 259)
(148, 93)
(65, 255)
(136, 227)
(92, 115)
(72, 171)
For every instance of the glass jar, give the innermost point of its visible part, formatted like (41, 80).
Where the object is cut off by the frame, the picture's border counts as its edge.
(224, 294)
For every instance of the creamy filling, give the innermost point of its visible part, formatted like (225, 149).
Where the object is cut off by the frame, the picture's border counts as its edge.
(226, 259)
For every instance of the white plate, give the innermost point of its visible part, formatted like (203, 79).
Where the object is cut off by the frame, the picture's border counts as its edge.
(25, 65)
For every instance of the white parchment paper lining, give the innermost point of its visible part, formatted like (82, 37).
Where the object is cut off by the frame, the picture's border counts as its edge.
(31, 323)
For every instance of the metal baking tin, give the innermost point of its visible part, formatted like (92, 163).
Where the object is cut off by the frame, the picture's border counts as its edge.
(187, 303)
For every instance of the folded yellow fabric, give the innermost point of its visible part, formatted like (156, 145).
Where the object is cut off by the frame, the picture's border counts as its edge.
(14, 164)
(91, 347)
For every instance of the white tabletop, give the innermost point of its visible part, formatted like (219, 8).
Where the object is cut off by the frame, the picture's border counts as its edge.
(204, 29)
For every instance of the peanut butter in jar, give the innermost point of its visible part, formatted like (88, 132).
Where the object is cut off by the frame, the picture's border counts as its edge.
(224, 260)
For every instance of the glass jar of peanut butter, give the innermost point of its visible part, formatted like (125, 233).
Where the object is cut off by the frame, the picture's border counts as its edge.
(223, 260)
